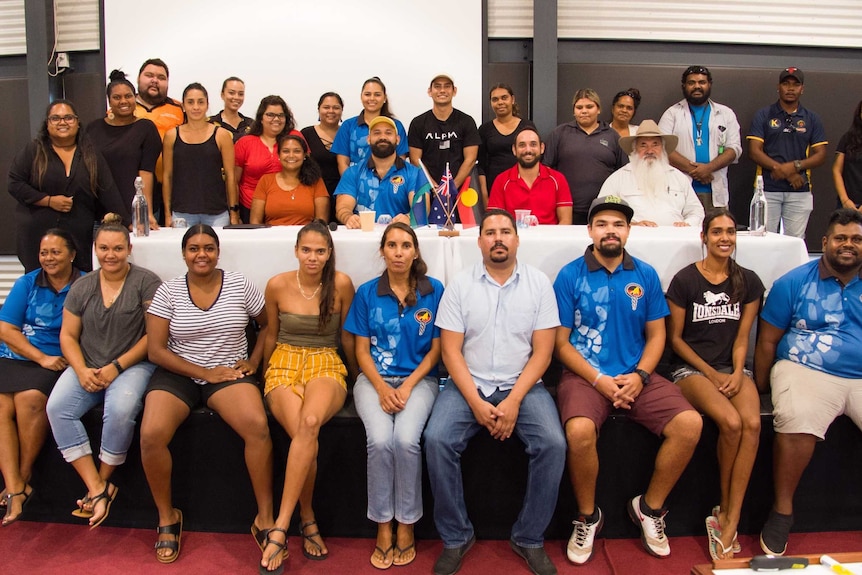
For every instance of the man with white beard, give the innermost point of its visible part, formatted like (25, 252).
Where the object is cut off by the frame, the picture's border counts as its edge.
(659, 194)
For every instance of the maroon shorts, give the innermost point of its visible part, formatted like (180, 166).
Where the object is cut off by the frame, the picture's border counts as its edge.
(659, 402)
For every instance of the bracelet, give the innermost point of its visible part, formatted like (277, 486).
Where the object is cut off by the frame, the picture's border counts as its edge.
(598, 377)
(116, 363)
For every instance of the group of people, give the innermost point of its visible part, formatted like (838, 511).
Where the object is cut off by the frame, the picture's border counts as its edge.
(121, 337)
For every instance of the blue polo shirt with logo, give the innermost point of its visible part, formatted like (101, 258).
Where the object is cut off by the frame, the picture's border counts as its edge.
(821, 319)
(400, 336)
(608, 311)
(386, 195)
(786, 137)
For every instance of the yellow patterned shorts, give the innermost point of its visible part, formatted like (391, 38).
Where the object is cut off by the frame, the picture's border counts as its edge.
(292, 366)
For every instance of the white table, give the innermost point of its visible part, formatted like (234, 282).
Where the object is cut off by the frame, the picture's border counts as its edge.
(262, 253)
(265, 252)
(667, 249)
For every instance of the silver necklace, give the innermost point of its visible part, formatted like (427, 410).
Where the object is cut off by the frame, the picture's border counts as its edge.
(299, 285)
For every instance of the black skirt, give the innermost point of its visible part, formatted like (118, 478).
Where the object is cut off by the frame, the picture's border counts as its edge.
(21, 374)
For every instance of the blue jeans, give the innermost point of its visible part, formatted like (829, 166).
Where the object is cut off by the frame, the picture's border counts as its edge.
(123, 401)
(791, 208)
(394, 450)
(451, 427)
(214, 220)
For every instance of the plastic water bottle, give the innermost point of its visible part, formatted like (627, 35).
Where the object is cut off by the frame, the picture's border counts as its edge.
(140, 211)
(757, 212)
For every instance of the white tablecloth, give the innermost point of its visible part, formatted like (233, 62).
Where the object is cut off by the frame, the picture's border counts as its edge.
(667, 249)
(262, 253)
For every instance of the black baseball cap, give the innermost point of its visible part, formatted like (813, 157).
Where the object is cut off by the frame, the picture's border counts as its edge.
(615, 203)
(791, 72)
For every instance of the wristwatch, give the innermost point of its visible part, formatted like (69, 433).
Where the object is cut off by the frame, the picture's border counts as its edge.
(644, 375)
(116, 363)
(797, 165)
(234, 208)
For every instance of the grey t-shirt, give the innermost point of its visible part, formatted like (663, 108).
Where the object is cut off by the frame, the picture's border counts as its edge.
(107, 333)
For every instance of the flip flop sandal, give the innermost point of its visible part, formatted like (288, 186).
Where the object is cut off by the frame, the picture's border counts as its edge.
(8, 499)
(280, 548)
(80, 511)
(713, 532)
(399, 553)
(109, 500)
(735, 546)
(175, 529)
(388, 557)
(308, 538)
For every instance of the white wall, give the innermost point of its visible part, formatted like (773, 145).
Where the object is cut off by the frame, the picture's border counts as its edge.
(299, 49)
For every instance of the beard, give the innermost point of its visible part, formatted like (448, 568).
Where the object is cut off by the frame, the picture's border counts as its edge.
(699, 100)
(527, 164)
(610, 251)
(650, 175)
(839, 266)
(499, 258)
(382, 149)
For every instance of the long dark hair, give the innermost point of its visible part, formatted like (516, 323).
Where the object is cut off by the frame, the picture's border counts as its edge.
(267, 101)
(418, 268)
(854, 135)
(516, 111)
(734, 272)
(327, 279)
(385, 110)
(309, 172)
(196, 229)
(43, 144)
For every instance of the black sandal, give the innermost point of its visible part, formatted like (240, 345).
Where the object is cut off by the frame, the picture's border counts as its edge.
(175, 529)
(309, 539)
(109, 500)
(280, 548)
(8, 499)
(81, 511)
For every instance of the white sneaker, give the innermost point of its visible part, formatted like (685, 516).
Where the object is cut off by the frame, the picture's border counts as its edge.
(652, 529)
(580, 547)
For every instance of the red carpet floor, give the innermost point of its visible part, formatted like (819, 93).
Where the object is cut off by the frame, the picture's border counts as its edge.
(30, 548)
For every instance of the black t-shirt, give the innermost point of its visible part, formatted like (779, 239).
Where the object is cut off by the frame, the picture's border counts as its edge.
(442, 141)
(711, 314)
(852, 172)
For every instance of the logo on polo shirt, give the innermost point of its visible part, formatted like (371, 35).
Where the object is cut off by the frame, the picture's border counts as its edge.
(397, 182)
(635, 292)
(774, 123)
(423, 317)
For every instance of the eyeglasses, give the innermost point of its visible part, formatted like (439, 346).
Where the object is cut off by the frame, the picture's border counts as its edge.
(68, 118)
(274, 116)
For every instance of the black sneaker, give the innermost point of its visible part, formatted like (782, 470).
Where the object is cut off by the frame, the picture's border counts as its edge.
(450, 559)
(536, 558)
(776, 530)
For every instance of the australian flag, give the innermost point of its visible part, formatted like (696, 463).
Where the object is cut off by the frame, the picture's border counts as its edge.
(445, 200)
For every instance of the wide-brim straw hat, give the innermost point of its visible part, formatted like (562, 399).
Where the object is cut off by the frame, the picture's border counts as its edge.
(649, 129)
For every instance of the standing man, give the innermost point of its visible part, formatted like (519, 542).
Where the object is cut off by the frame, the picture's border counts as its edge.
(612, 312)
(786, 141)
(153, 103)
(709, 137)
(384, 182)
(531, 185)
(497, 323)
(444, 134)
(811, 326)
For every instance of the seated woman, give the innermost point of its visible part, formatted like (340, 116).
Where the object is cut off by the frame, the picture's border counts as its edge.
(104, 340)
(30, 363)
(196, 335)
(294, 196)
(709, 359)
(305, 377)
(397, 349)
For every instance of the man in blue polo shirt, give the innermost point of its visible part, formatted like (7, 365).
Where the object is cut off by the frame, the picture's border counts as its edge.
(385, 183)
(812, 325)
(786, 141)
(612, 335)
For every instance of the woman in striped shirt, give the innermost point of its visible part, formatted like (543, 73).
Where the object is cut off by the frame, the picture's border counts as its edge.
(196, 326)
